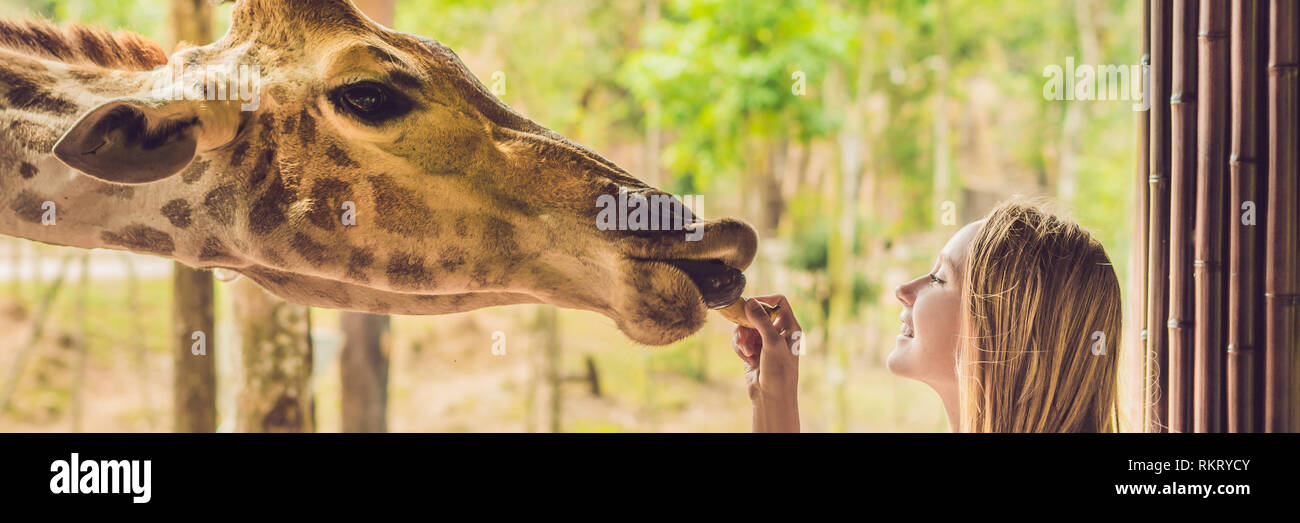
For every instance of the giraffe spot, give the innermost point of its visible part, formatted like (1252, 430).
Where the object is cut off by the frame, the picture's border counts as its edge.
(261, 169)
(479, 275)
(178, 212)
(451, 258)
(214, 250)
(25, 94)
(407, 270)
(269, 211)
(360, 261)
(401, 210)
(462, 226)
(499, 236)
(220, 203)
(195, 170)
(289, 123)
(115, 190)
(267, 121)
(309, 249)
(496, 230)
(327, 197)
(340, 157)
(307, 127)
(277, 92)
(27, 170)
(140, 238)
(32, 136)
(274, 258)
(237, 154)
(84, 75)
(332, 296)
(511, 203)
(27, 205)
(271, 276)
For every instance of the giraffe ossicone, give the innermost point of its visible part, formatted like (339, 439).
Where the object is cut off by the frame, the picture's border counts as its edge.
(458, 202)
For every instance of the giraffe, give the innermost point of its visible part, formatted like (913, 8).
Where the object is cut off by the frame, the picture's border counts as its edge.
(458, 201)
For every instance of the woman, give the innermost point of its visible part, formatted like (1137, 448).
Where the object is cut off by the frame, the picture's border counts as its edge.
(1013, 328)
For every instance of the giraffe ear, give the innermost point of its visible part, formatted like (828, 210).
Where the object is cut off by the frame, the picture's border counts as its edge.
(126, 141)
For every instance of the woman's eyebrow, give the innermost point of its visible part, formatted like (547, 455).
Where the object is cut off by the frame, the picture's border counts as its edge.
(945, 261)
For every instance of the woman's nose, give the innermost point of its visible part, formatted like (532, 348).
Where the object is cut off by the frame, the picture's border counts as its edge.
(904, 293)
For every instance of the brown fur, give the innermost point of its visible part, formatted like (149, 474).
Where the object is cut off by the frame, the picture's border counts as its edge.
(78, 44)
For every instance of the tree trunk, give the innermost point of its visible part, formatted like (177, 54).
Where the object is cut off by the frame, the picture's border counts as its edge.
(548, 329)
(275, 343)
(364, 372)
(194, 380)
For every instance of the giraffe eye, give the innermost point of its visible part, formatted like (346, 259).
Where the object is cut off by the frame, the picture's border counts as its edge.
(371, 102)
(364, 98)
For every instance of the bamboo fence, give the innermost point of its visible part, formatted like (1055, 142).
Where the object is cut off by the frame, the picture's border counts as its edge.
(1218, 217)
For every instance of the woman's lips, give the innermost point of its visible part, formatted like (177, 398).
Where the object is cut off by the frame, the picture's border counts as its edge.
(905, 327)
(905, 330)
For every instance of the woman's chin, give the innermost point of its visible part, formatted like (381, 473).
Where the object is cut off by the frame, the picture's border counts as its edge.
(896, 362)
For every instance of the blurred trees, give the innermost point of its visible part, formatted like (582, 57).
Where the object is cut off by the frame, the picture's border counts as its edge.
(841, 128)
(838, 127)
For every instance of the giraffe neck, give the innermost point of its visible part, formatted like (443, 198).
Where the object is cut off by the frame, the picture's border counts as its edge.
(44, 200)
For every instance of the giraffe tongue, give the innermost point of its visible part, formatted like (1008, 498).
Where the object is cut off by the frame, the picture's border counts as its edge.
(719, 284)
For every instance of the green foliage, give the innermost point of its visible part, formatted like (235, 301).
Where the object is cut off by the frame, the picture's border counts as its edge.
(722, 75)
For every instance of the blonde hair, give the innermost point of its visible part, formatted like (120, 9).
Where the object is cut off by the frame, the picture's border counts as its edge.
(1037, 291)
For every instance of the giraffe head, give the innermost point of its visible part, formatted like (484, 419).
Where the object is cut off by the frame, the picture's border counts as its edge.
(456, 202)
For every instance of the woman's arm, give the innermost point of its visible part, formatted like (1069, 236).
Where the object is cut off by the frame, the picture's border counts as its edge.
(771, 356)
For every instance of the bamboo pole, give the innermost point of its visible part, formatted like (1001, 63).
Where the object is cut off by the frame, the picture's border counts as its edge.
(1137, 294)
(1209, 345)
(1157, 404)
(1243, 218)
(1182, 181)
(1259, 255)
(1281, 285)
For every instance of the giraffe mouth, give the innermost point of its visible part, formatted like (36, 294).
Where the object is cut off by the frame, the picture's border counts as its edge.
(719, 284)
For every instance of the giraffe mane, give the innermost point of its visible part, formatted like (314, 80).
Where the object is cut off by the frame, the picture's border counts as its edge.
(80, 44)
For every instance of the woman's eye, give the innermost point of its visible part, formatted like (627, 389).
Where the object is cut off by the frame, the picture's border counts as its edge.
(371, 102)
(934, 279)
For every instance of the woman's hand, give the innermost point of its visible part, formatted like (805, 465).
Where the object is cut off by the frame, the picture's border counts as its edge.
(771, 356)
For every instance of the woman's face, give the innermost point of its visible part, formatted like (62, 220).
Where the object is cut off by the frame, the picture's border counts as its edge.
(926, 349)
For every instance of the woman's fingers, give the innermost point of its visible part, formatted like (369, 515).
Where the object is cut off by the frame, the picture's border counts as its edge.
(785, 316)
(779, 361)
(762, 324)
(747, 345)
(747, 341)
